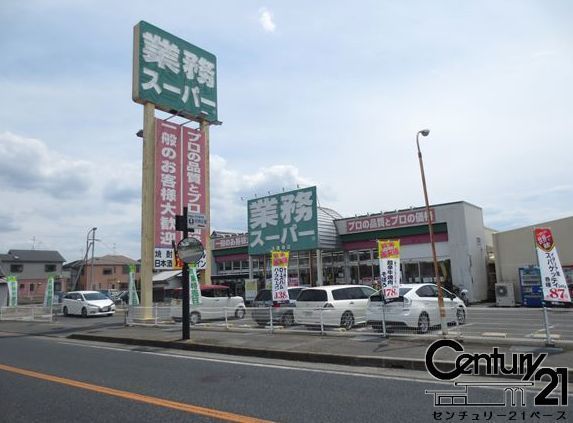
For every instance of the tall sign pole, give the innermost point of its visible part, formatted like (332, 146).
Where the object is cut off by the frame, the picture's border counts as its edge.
(147, 207)
(179, 78)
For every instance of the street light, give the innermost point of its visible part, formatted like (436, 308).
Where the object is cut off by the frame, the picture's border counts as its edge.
(425, 133)
(89, 281)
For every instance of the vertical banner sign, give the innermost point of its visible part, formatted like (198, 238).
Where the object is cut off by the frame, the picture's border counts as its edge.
(193, 182)
(552, 277)
(12, 291)
(179, 182)
(250, 289)
(195, 291)
(133, 298)
(280, 275)
(49, 294)
(389, 256)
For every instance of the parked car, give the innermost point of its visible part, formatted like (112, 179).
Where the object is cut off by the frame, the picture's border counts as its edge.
(282, 312)
(110, 293)
(338, 305)
(87, 303)
(416, 307)
(215, 301)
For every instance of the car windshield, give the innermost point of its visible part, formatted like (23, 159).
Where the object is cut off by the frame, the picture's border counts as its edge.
(378, 297)
(293, 293)
(264, 295)
(93, 296)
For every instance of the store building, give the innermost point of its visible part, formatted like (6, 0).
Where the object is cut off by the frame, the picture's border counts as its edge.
(516, 259)
(345, 251)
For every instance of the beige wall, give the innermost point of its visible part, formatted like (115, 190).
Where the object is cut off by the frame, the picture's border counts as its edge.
(515, 248)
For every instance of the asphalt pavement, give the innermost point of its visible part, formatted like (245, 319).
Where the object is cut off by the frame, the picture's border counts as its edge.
(355, 349)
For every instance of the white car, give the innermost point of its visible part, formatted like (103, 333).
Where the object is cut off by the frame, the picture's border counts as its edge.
(87, 303)
(416, 307)
(335, 305)
(216, 301)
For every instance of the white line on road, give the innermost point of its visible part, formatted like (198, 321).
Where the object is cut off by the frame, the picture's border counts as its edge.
(282, 367)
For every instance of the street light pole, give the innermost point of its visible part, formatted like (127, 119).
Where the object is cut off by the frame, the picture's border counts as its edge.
(425, 133)
(90, 282)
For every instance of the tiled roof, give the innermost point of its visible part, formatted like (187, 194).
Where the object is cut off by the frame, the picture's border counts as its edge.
(27, 256)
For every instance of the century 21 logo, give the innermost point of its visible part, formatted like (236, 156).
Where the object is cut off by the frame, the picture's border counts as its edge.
(526, 365)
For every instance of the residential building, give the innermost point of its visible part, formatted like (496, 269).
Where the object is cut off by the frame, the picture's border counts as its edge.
(107, 272)
(32, 268)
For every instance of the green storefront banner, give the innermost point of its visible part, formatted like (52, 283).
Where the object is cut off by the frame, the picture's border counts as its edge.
(286, 221)
(173, 74)
(12, 291)
(49, 294)
(195, 291)
(133, 297)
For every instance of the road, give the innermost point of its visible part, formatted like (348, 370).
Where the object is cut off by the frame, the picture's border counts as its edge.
(103, 382)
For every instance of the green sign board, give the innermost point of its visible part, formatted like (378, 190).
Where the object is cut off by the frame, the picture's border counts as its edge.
(173, 74)
(133, 297)
(286, 221)
(12, 291)
(49, 293)
(194, 288)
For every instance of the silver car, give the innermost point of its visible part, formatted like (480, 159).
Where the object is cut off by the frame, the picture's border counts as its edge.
(282, 312)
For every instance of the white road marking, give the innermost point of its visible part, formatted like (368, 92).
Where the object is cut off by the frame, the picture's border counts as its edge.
(299, 369)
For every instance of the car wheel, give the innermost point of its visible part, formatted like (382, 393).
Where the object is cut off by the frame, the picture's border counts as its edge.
(461, 316)
(287, 319)
(423, 323)
(240, 313)
(347, 320)
(84, 312)
(65, 311)
(194, 318)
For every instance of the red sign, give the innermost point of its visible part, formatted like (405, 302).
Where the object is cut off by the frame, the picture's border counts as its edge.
(389, 220)
(179, 180)
(232, 241)
(168, 178)
(544, 239)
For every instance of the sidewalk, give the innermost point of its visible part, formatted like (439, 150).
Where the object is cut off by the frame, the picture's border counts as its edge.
(359, 350)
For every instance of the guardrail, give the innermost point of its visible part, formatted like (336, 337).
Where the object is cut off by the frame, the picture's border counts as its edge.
(477, 322)
(27, 312)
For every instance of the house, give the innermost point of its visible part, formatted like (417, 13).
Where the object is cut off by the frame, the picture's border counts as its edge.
(32, 268)
(106, 272)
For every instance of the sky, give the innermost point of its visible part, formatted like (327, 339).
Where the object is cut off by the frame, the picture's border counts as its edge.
(323, 93)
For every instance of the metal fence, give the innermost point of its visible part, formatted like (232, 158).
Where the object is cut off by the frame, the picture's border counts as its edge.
(28, 313)
(493, 323)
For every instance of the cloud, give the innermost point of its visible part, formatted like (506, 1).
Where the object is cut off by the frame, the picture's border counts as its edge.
(266, 20)
(232, 189)
(27, 164)
(8, 223)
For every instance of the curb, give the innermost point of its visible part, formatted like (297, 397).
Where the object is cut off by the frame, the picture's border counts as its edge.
(359, 361)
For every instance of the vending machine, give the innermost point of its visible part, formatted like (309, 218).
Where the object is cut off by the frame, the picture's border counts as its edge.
(530, 283)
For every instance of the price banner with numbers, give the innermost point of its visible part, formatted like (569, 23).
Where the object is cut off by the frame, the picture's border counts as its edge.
(389, 256)
(280, 275)
(552, 277)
